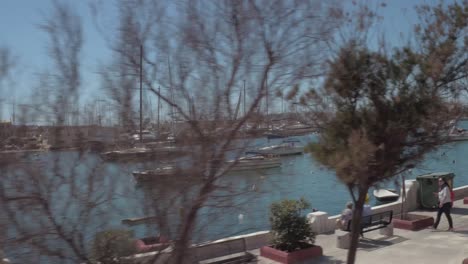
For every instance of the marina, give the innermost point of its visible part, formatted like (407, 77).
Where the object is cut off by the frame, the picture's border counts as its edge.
(292, 177)
(209, 132)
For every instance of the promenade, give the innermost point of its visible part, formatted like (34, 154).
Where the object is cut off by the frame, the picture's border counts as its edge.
(426, 246)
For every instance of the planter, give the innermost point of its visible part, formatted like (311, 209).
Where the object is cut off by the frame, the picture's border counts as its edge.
(413, 222)
(291, 257)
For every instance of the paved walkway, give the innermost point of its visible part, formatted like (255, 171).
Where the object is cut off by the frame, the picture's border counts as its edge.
(425, 246)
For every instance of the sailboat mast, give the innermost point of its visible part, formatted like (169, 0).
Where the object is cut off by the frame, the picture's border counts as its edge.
(266, 99)
(141, 93)
(266, 95)
(159, 109)
(171, 95)
(244, 98)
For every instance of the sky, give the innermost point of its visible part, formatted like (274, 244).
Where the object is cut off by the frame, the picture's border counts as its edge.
(19, 20)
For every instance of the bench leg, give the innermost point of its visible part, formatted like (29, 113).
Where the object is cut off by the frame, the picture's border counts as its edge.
(387, 231)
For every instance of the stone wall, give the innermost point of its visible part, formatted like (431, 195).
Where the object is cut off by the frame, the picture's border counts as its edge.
(321, 223)
(461, 192)
(213, 249)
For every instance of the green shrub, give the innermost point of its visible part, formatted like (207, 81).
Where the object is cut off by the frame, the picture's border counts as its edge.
(290, 228)
(110, 245)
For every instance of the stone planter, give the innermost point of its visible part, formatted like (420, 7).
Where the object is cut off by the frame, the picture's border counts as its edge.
(291, 257)
(413, 222)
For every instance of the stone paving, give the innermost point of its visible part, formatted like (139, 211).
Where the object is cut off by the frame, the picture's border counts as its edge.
(426, 246)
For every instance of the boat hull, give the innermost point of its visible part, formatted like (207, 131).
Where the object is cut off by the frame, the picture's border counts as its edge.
(284, 152)
(253, 163)
(383, 195)
(142, 154)
(244, 167)
(152, 175)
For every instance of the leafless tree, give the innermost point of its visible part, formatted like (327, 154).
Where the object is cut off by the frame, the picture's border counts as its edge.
(199, 53)
(49, 202)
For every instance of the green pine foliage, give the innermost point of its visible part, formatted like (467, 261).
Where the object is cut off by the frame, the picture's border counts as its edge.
(109, 246)
(290, 228)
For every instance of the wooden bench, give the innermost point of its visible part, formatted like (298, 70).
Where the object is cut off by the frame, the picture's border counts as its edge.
(231, 251)
(373, 222)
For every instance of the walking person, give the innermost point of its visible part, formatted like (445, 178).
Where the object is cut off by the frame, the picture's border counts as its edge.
(445, 203)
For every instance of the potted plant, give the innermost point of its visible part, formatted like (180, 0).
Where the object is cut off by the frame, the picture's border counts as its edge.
(413, 222)
(293, 239)
(110, 245)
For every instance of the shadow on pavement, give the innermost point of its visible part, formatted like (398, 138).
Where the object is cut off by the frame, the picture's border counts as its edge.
(327, 259)
(461, 231)
(459, 211)
(367, 244)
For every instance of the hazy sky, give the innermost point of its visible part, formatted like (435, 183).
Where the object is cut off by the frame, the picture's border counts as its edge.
(19, 20)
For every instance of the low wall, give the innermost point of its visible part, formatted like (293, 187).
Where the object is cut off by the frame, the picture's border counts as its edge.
(460, 192)
(322, 223)
(213, 249)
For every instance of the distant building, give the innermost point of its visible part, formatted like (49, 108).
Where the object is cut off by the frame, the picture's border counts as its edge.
(6, 130)
(75, 136)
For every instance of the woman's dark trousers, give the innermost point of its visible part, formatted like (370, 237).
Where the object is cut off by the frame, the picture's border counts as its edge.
(446, 210)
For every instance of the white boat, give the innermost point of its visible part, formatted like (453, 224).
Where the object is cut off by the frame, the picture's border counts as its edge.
(290, 147)
(457, 134)
(146, 135)
(256, 162)
(149, 175)
(142, 153)
(384, 195)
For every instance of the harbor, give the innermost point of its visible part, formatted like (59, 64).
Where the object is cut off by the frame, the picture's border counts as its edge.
(287, 177)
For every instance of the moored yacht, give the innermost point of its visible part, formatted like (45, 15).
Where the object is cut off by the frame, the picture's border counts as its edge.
(253, 162)
(287, 147)
(142, 153)
(149, 175)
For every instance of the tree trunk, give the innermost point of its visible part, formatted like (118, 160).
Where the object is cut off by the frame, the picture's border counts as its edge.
(190, 220)
(182, 244)
(355, 224)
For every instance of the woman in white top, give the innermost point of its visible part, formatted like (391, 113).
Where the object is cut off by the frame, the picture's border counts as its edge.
(445, 203)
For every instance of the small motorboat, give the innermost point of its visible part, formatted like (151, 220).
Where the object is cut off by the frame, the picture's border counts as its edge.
(287, 147)
(142, 153)
(255, 162)
(385, 195)
(149, 175)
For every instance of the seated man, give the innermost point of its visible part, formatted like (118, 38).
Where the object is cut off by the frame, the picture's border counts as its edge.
(346, 216)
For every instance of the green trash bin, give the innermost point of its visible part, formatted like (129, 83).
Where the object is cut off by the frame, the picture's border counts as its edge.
(428, 185)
